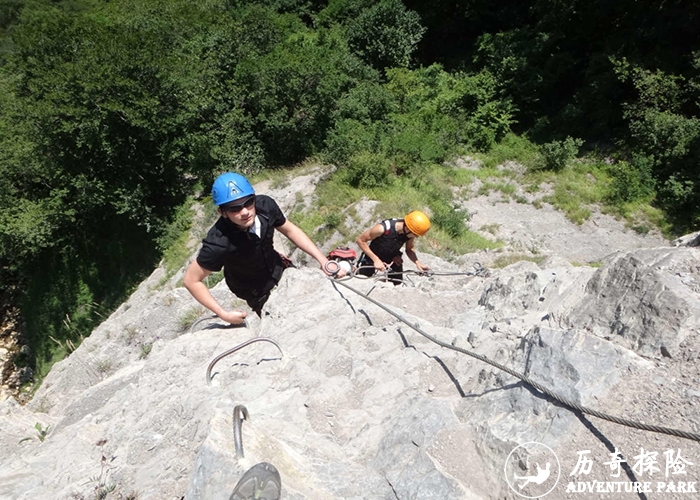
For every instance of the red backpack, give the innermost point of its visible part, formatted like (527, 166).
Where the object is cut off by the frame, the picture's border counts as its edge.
(343, 253)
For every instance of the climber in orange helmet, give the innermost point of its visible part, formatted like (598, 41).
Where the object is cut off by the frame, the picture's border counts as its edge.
(381, 245)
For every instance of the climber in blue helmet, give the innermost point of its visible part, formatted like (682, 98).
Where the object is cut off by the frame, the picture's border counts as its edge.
(241, 243)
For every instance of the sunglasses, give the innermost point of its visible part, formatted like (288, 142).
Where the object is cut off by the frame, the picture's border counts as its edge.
(234, 209)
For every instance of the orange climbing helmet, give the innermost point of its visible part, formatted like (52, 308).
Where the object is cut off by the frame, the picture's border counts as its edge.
(417, 222)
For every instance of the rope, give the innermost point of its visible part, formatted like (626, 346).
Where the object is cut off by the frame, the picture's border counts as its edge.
(544, 390)
(234, 349)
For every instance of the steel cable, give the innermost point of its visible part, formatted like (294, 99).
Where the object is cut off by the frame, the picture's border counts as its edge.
(333, 267)
(532, 383)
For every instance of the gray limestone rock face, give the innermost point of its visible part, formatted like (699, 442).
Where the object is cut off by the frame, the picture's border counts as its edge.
(362, 404)
(647, 300)
(688, 240)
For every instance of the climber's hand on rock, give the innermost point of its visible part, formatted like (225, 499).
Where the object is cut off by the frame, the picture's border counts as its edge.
(233, 317)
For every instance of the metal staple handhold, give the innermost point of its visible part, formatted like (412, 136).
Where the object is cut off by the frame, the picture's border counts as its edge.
(240, 413)
(234, 349)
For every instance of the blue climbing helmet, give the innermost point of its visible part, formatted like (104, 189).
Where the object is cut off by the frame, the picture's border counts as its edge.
(230, 187)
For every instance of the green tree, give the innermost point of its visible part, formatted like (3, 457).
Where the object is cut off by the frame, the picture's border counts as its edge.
(290, 92)
(100, 142)
(420, 116)
(669, 138)
(386, 34)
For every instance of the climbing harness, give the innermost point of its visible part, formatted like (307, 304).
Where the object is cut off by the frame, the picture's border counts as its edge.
(544, 390)
(234, 349)
(240, 413)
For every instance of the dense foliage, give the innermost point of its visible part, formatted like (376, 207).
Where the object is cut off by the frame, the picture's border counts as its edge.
(112, 113)
(623, 76)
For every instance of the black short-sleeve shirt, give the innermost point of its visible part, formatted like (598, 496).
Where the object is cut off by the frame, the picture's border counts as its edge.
(248, 260)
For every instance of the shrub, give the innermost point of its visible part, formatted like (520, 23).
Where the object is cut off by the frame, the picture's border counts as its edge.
(368, 170)
(418, 144)
(333, 220)
(449, 218)
(631, 181)
(557, 154)
(386, 34)
(514, 148)
(350, 136)
(677, 193)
